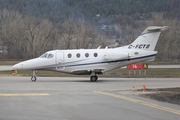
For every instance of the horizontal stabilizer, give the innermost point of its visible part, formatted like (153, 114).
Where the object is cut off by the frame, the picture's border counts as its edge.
(154, 28)
(151, 29)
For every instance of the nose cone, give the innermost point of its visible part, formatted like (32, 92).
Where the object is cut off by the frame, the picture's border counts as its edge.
(27, 65)
(18, 66)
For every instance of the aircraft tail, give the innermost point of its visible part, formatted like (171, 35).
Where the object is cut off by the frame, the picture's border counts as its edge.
(148, 38)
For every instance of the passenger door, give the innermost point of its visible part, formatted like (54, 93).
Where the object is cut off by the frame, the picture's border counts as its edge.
(60, 60)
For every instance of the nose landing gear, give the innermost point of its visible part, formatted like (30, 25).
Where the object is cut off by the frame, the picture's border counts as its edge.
(33, 78)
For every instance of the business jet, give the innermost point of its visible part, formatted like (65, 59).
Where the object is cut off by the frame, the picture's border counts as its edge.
(96, 61)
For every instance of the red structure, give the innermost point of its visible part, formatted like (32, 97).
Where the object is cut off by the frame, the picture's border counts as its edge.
(135, 66)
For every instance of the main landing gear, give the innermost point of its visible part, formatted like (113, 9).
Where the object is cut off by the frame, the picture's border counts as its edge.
(93, 77)
(33, 78)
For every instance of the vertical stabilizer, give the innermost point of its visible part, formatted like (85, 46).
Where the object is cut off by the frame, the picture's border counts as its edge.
(148, 38)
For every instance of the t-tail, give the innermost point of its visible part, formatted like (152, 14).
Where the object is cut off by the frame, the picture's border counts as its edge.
(148, 38)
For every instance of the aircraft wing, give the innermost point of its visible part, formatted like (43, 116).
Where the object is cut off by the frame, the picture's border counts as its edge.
(87, 72)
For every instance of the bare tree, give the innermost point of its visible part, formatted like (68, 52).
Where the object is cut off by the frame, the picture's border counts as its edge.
(25, 37)
(39, 35)
(46, 36)
(75, 33)
(11, 32)
(85, 35)
(168, 43)
(67, 32)
(31, 30)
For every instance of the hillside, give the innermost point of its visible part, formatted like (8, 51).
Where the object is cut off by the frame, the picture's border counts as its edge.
(107, 10)
(29, 28)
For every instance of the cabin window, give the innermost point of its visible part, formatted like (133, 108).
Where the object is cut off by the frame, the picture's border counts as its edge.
(95, 54)
(87, 54)
(69, 55)
(50, 56)
(78, 55)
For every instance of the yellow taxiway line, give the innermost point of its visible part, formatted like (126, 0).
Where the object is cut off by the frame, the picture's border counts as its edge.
(22, 94)
(140, 102)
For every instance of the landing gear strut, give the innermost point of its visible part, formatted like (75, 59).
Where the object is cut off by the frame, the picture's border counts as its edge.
(33, 78)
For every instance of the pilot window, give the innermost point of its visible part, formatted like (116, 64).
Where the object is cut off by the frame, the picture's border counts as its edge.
(44, 55)
(50, 56)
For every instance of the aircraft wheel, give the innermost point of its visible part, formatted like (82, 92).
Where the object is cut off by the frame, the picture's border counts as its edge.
(94, 78)
(33, 78)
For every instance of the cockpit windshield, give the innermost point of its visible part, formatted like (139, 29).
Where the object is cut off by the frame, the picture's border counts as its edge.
(50, 56)
(44, 55)
(47, 55)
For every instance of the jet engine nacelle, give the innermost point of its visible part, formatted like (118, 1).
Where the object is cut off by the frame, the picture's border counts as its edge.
(115, 55)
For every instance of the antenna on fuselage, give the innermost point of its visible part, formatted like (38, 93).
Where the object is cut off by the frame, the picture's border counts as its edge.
(99, 47)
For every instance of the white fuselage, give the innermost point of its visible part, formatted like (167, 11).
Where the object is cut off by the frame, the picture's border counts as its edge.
(83, 61)
(96, 61)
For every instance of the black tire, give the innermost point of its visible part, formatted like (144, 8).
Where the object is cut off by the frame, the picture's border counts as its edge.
(94, 78)
(33, 78)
